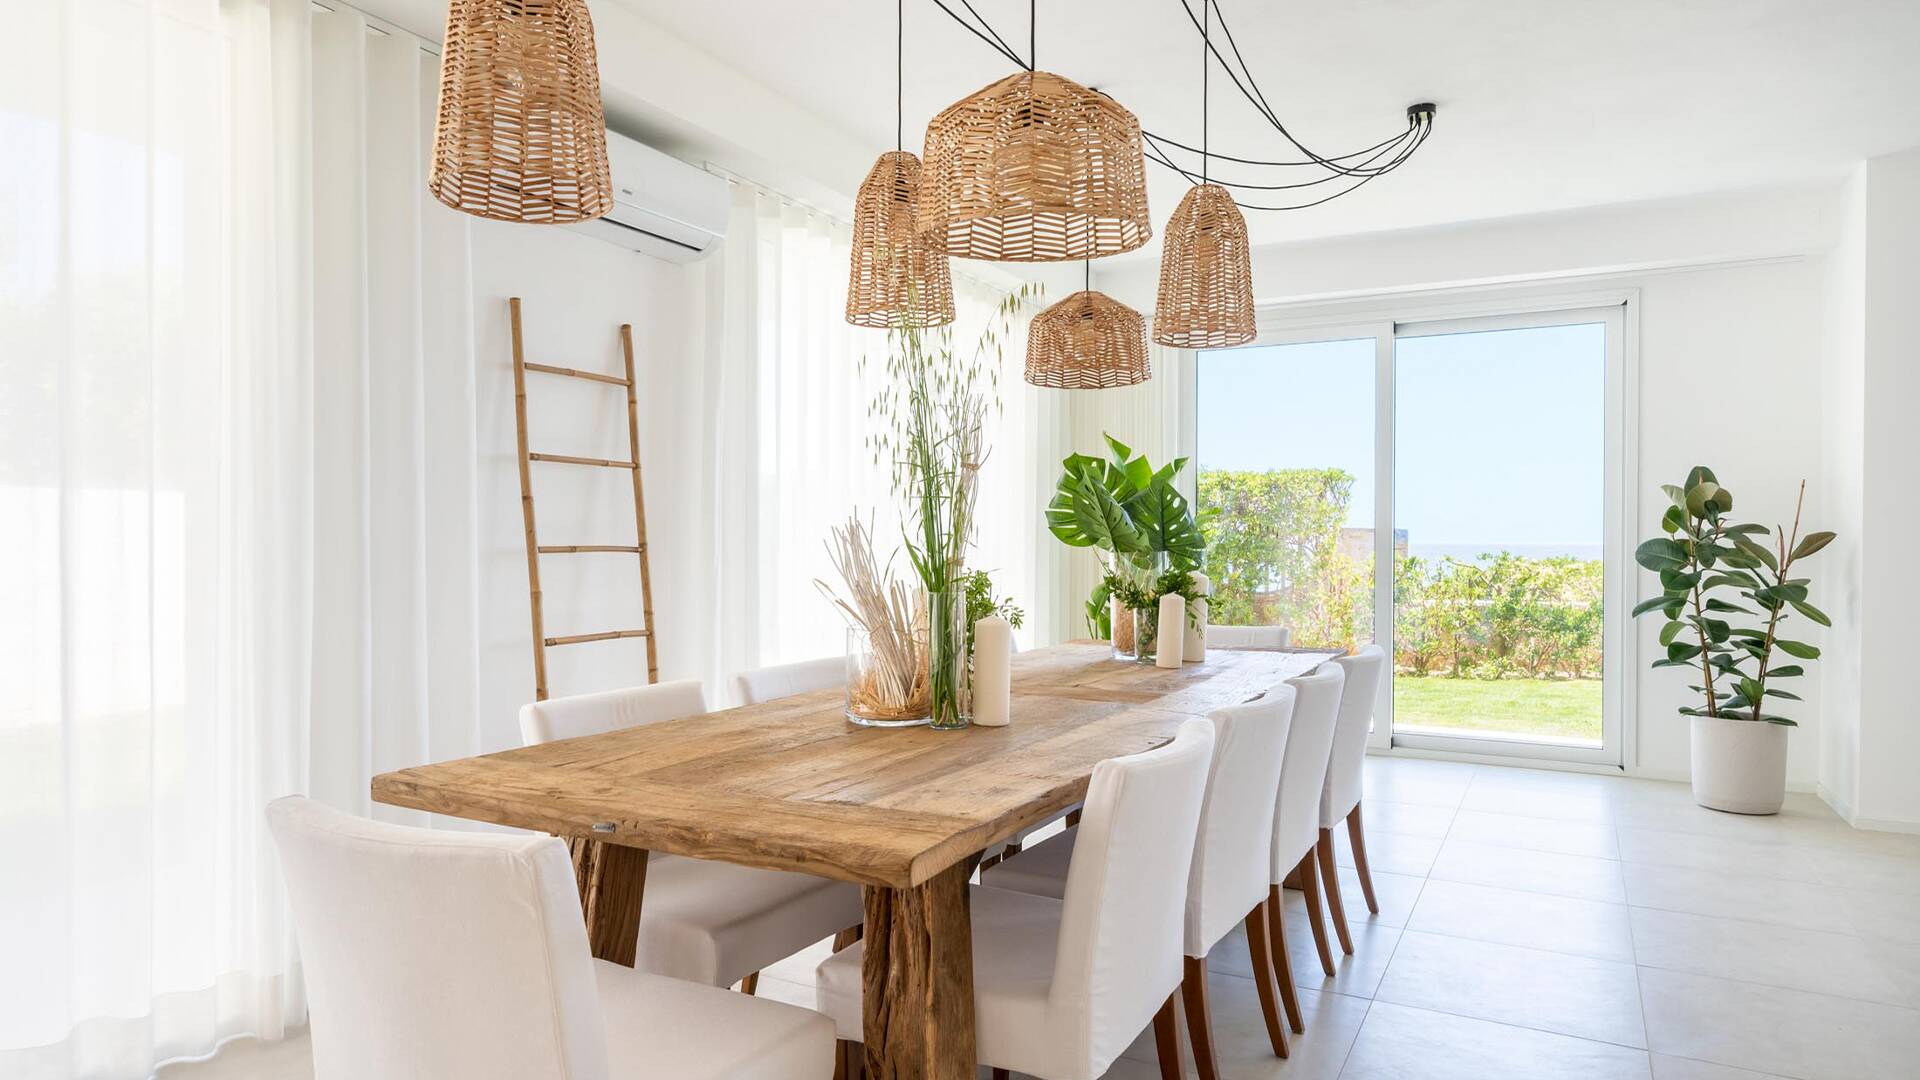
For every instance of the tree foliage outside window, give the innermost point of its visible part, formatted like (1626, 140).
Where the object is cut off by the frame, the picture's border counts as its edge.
(1276, 559)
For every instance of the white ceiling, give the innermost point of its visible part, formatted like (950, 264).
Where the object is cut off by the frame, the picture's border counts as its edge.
(1544, 105)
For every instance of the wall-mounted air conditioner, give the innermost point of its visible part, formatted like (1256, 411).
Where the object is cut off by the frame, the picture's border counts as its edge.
(662, 206)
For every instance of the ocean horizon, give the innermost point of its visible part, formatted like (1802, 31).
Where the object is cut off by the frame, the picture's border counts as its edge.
(1474, 552)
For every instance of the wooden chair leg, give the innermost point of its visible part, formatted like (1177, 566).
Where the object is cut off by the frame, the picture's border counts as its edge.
(1258, 950)
(1316, 919)
(1330, 875)
(847, 937)
(1358, 836)
(1282, 961)
(1073, 818)
(751, 983)
(1193, 991)
(1001, 1074)
(849, 1060)
(1166, 1039)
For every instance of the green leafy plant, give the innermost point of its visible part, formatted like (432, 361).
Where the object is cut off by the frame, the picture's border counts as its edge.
(1122, 506)
(1705, 555)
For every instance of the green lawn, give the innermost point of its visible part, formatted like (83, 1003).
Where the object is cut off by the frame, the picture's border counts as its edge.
(1562, 708)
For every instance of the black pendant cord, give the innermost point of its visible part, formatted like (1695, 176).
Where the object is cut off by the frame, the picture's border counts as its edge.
(1033, 35)
(1087, 286)
(899, 76)
(1206, 69)
(1375, 160)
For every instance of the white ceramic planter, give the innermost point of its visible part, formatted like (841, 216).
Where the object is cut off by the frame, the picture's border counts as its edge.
(1739, 766)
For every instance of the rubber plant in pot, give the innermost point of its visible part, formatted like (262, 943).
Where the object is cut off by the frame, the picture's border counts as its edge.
(1739, 651)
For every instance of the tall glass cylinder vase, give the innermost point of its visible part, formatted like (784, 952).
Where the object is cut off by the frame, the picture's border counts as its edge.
(950, 663)
(1146, 633)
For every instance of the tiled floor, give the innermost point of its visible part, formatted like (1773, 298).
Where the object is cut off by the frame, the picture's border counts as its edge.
(1538, 925)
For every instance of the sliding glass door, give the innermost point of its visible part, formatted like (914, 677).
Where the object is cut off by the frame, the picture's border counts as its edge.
(1458, 482)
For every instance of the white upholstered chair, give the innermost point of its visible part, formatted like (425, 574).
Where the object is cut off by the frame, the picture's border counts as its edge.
(452, 954)
(786, 680)
(703, 920)
(1248, 637)
(1227, 885)
(1296, 817)
(1340, 799)
(1061, 987)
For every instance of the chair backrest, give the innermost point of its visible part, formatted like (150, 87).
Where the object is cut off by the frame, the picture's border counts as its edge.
(1122, 916)
(786, 680)
(1364, 670)
(610, 710)
(1229, 874)
(438, 953)
(1247, 637)
(1303, 768)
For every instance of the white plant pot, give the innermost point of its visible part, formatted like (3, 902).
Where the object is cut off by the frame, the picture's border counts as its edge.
(1739, 766)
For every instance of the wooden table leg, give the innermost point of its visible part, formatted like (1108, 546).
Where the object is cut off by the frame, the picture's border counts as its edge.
(917, 980)
(612, 881)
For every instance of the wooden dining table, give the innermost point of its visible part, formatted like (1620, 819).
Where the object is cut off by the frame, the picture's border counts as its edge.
(904, 812)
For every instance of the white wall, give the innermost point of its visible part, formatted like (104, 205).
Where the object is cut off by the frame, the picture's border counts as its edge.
(575, 293)
(1873, 387)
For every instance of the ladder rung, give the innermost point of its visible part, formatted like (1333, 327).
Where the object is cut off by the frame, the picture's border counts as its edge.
(575, 373)
(574, 549)
(568, 460)
(605, 635)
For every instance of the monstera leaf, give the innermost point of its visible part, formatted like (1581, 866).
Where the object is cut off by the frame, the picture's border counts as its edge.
(1166, 523)
(1087, 511)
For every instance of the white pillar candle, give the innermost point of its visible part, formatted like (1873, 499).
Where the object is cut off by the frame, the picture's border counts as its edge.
(992, 672)
(1194, 649)
(1173, 620)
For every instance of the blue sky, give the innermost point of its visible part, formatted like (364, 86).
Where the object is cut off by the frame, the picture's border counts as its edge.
(1500, 432)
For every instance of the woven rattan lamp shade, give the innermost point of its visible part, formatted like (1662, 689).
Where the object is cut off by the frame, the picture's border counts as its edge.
(521, 136)
(1088, 341)
(894, 281)
(1206, 274)
(1034, 168)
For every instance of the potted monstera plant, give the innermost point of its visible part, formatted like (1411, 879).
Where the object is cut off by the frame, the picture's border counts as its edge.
(1729, 594)
(1145, 531)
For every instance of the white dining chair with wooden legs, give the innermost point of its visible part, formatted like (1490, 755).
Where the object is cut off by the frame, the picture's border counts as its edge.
(704, 920)
(454, 954)
(786, 680)
(1062, 987)
(1346, 781)
(1296, 819)
(1227, 883)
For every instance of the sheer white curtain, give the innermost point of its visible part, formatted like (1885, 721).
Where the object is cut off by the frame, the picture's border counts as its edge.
(784, 397)
(218, 496)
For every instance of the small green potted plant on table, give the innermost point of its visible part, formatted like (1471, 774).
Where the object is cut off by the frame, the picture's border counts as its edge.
(1739, 651)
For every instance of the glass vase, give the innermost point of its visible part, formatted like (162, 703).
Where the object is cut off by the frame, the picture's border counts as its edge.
(949, 660)
(1146, 633)
(887, 684)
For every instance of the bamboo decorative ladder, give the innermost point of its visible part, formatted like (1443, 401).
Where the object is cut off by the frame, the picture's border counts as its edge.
(541, 642)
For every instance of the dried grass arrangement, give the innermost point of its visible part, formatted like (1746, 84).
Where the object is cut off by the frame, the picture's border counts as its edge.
(892, 686)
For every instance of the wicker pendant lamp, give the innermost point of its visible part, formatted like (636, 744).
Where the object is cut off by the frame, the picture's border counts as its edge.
(521, 135)
(1034, 168)
(1089, 341)
(1206, 269)
(895, 281)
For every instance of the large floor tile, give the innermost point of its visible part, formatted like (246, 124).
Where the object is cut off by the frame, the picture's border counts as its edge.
(1240, 1034)
(1534, 871)
(1393, 853)
(1737, 896)
(1570, 995)
(1355, 975)
(1396, 894)
(1412, 819)
(1399, 1043)
(1570, 804)
(1786, 956)
(1724, 855)
(1668, 1067)
(1536, 920)
(1888, 916)
(1594, 839)
(1772, 1030)
(1412, 780)
(1899, 962)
